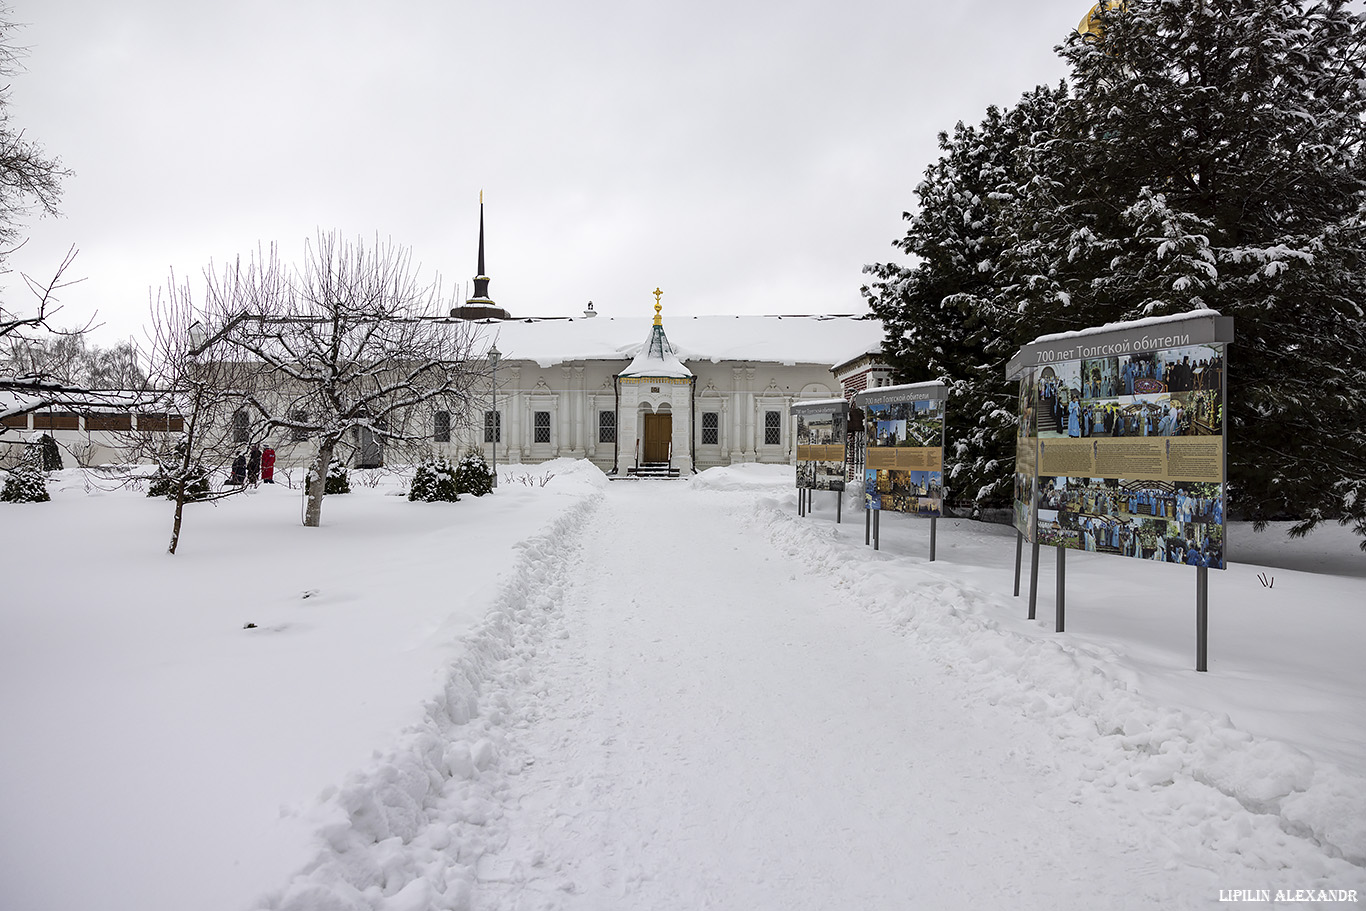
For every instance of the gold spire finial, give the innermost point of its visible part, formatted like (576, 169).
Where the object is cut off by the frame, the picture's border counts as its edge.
(659, 320)
(481, 197)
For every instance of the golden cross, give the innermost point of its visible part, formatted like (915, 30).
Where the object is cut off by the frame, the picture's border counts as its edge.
(658, 294)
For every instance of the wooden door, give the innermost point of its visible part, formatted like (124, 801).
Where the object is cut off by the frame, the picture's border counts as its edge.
(658, 431)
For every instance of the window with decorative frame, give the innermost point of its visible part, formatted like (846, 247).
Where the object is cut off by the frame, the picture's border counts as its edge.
(493, 427)
(542, 427)
(773, 428)
(607, 426)
(711, 428)
(298, 434)
(441, 427)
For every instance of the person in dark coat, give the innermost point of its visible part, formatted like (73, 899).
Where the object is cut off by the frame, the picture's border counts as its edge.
(254, 464)
(268, 465)
(239, 471)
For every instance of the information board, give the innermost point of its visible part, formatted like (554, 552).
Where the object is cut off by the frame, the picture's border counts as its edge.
(1121, 445)
(822, 428)
(904, 461)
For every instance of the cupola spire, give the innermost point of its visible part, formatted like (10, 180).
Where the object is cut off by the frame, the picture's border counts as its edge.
(479, 306)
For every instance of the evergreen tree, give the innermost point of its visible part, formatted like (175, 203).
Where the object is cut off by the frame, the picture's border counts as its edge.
(944, 316)
(475, 476)
(50, 456)
(26, 483)
(1215, 148)
(435, 480)
(338, 478)
(1208, 155)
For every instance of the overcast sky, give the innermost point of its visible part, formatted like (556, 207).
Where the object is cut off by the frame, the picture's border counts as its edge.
(744, 157)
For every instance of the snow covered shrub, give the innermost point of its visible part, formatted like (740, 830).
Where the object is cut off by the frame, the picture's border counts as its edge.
(434, 480)
(51, 455)
(25, 483)
(163, 485)
(475, 476)
(338, 480)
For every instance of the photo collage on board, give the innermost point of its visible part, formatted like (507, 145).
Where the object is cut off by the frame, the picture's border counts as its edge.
(904, 426)
(1166, 393)
(820, 429)
(1175, 392)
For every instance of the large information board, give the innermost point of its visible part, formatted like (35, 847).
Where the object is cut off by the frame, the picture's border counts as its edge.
(1121, 445)
(821, 433)
(904, 460)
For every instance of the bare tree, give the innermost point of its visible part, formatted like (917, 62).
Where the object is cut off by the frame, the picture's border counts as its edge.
(353, 349)
(184, 411)
(29, 180)
(20, 331)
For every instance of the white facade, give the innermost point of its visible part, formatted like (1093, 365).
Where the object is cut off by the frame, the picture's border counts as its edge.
(561, 392)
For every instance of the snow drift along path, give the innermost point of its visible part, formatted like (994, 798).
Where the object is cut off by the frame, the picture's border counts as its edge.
(690, 699)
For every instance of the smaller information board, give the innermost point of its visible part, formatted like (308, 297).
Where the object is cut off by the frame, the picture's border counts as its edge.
(821, 433)
(904, 433)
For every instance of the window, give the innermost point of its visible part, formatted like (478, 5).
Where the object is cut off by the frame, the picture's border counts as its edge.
(241, 426)
(493, 427)
(607, 426)
(542, 427)
(441, 431)
(298, 434)
(773, 428)
(711, 422)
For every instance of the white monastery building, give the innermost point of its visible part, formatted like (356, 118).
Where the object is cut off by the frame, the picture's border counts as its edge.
(635, 399)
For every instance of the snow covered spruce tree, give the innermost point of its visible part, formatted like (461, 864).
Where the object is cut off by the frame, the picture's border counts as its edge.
(352, 349)
(1216, 155)
(1208, 154)
(474, 475)
(953, 316)
(25, 482)
(434, 481)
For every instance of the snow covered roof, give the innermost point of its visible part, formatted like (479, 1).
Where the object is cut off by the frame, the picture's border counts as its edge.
(806, 339)
(656, 357)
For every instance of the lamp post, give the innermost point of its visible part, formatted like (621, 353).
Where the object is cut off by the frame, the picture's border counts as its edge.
(494, 355)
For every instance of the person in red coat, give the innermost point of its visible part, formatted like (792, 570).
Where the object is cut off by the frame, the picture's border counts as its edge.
(268, 465)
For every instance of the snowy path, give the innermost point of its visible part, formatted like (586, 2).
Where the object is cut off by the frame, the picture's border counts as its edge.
(721, 730)
(687, 698)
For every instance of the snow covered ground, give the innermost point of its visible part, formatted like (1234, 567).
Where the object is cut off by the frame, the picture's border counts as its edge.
(584, 695)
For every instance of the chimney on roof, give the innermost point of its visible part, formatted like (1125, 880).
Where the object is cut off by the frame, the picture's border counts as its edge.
(590, 312)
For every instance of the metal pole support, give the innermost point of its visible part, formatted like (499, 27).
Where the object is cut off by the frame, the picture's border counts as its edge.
(1019, 553)
(877, 521)
(1061, 610)
(867, 526)
(1202, 618)
(933, 522)
(839, 505)
(1033, 577)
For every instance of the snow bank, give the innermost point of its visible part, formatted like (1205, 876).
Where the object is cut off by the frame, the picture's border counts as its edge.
(752, 476)
(1194, 761)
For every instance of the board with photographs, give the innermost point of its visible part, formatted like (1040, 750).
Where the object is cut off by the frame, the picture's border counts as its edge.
(904, 460)
(1120, 447)
(821, 433)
